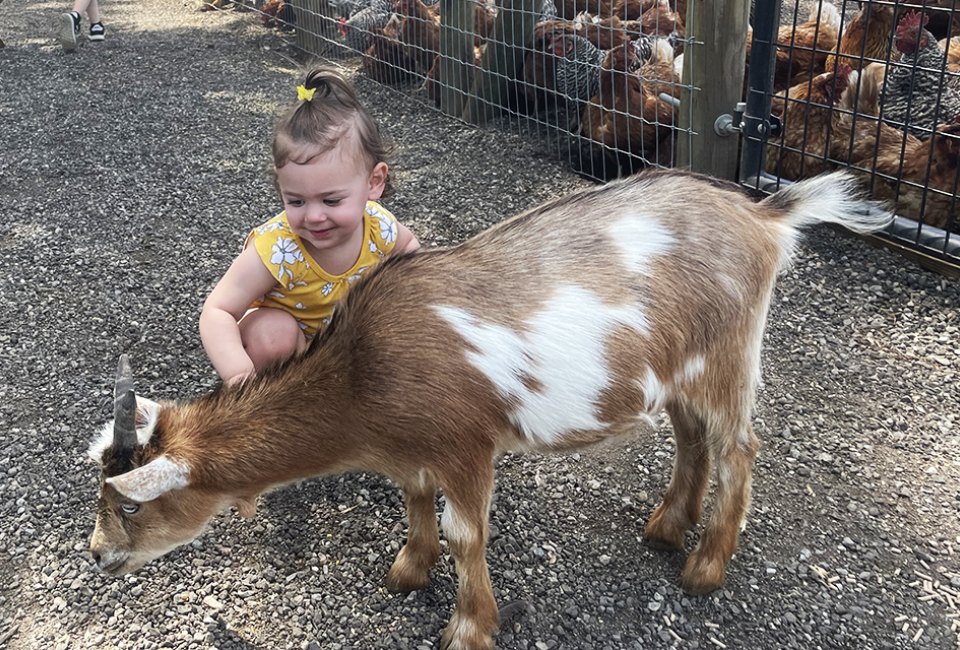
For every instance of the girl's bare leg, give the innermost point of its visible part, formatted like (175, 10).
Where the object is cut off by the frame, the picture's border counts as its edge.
(270, 335)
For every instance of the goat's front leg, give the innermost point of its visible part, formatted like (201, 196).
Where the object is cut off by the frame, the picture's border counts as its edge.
(705, 569)
(475, 619)
(411, 568)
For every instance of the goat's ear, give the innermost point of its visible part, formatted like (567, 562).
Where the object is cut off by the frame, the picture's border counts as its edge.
(247, 506)
(152, 480)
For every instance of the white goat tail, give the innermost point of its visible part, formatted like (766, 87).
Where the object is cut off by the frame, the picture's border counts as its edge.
(836, 197)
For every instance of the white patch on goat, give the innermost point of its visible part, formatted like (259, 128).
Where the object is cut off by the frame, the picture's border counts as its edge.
(454, 527)
(691, 371)
(654, 392)
(640, 239)
(731, 287)
(147, 411)
(561, 349)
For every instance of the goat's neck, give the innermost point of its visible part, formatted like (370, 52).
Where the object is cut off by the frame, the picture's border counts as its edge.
(268, 432)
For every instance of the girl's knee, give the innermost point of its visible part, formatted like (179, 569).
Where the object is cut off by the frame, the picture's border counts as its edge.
(270, 335)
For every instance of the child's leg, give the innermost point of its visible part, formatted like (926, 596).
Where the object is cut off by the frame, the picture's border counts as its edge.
(90, 7)
(270, 335)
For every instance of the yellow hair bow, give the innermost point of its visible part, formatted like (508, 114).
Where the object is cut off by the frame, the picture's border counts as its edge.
(304, 94)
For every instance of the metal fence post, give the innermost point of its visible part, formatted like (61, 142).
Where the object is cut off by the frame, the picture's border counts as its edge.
(756, 120)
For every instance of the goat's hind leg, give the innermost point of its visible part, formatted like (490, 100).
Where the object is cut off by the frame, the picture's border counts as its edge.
(733, 449)
(411, 568)
(680, 509)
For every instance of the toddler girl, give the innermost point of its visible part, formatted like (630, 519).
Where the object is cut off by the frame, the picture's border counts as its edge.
(280, 291)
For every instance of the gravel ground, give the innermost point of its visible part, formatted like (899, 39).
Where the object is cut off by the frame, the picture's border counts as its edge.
(129, 173)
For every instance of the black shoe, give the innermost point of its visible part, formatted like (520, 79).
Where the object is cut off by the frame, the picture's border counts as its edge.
(97, 32)
(69, 30)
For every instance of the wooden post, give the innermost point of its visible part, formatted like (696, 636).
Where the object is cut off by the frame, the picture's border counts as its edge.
(503, 59)
(713, 67)
(456, 54)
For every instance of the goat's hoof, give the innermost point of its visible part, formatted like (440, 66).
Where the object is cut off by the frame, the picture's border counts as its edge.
(464, 633)
(400, 582)
(663, 535)
(701, 574)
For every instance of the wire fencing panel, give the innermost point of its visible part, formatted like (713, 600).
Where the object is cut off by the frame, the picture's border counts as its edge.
(597, 79)
(873, 87)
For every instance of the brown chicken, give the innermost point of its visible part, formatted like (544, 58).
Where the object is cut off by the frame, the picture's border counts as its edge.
(920, 176)
(606, 33)
(570, 9)
(419, 33)
(951, 47)
(386, 61)
(661, 20)
(807, 111)
(867, 37)
(627, 115)
(802, 50)
(278, 14)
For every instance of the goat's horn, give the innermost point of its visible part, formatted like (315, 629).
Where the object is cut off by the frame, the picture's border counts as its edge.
(124, 407)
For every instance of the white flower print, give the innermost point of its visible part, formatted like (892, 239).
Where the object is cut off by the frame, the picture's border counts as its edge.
(388, 229)
(270, 227)
(327, 288)
(285, 251)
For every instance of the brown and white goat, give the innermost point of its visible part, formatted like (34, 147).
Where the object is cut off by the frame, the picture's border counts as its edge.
(569, 324)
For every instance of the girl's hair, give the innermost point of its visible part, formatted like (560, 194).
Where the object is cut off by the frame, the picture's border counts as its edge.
(312, 128)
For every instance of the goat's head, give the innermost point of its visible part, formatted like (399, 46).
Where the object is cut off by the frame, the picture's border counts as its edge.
(147, 506)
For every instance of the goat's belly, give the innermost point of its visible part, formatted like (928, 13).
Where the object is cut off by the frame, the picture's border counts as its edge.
(518, 440)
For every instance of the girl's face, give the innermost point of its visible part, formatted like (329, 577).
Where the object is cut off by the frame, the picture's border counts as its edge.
(325, 197)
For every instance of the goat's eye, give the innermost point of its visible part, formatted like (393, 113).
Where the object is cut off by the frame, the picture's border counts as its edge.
(129, 508)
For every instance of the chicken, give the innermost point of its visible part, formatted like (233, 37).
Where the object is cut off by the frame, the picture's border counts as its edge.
(358, 29)
(570, 9)
(802, 50)
(661, 20)
(923, 179)
(867, 37)
(803, 148)
(632, 9)
(605, 33)
(951, 50)
(916, 95)
(419, 33)
(561, 72)
(279, 14)
(628, 116)
(920, 176)
(386, 61)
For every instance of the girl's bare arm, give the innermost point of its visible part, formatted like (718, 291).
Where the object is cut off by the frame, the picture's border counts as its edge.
(246, 280)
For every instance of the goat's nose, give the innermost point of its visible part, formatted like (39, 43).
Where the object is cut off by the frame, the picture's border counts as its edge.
(96, 556)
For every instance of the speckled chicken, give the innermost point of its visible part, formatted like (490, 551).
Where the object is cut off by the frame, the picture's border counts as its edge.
(358, 29)
(916, 96)
(575, 62)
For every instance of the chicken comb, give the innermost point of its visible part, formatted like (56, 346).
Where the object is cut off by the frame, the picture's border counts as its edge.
(911, 23)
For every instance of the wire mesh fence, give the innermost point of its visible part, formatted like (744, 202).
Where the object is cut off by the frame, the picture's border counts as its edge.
(598, 79)
(871, 86)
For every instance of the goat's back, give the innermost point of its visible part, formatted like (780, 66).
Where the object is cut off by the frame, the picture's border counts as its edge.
(568, 322)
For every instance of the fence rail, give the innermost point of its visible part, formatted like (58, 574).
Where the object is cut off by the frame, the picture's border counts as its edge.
(619, 85)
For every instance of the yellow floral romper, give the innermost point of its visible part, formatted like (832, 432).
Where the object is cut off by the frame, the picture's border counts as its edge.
(304, 290)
